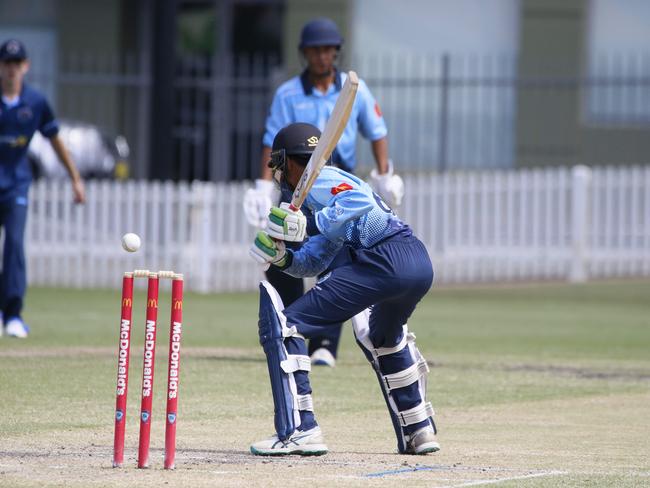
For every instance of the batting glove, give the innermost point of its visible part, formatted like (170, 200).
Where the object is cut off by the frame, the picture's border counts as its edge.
(389, 186)
(286, 224)
(266, 251)
(258, 201)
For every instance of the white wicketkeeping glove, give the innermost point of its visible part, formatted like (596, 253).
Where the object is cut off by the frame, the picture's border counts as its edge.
(389, 186)
(266, 251)
(286, 224)
(258, 202)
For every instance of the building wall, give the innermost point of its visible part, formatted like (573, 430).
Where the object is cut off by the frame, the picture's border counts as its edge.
(425, 27)
(89, 40)
(554, 125)
(90, 25)
(551, 46)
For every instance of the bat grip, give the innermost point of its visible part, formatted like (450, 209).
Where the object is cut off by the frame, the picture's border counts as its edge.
(292, 208)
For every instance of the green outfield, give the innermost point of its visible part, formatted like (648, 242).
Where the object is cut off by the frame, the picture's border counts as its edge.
(533, 385)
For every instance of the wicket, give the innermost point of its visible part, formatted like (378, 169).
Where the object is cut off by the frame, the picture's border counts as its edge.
(175, 330)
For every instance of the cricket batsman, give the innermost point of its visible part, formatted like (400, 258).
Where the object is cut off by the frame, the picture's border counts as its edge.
(387, 272)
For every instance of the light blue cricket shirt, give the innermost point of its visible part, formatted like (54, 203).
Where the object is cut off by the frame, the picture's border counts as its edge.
(296, 100)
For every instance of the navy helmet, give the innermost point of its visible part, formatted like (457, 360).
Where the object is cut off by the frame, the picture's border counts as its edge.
(320, 32)
(13, 50)
(298, 140)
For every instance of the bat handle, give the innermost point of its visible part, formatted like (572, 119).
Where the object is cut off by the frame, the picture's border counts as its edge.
(292, 208)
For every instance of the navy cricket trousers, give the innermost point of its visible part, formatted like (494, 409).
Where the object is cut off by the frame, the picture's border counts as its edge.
(392, 276)
(13, 280)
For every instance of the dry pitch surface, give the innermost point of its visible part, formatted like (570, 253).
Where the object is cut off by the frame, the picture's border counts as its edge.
(521, 405)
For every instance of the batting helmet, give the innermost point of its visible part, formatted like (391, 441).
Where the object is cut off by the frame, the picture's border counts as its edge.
(297, 139)
(320, 32)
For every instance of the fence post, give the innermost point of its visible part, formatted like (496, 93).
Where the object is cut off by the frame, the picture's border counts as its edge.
(201, 195)
(444, 113)
(580, 185)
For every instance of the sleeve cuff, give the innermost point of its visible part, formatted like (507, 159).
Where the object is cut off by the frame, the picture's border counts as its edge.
(50, 129)
(288, 260)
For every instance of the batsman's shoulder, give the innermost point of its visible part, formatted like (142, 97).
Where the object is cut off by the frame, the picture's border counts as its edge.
(331, 182)
(331, 177)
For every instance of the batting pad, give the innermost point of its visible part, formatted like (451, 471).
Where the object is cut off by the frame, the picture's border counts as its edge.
(275, 336)
(390, 384)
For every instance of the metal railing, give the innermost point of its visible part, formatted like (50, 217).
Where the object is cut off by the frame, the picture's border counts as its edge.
(443, 112)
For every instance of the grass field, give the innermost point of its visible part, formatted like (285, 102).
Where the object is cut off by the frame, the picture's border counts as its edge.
(533, 385)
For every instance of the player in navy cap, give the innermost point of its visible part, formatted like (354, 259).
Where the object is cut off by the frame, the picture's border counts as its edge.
(310, 98)
(23, 111)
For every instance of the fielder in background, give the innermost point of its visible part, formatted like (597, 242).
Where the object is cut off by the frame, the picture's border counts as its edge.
(386, 275)
(23, 111)
(310, 98)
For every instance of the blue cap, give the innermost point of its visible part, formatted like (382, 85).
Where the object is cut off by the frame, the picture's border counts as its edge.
(320, 32)
(13, 50)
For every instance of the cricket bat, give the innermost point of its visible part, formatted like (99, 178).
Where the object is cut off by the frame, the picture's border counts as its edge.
(328, 140)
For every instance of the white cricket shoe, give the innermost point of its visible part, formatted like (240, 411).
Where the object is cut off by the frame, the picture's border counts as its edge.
(15, 327)
(323, 357)
(307, 443)
(423, 441)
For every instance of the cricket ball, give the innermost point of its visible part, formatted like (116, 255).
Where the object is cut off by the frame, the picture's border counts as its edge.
(131, 242)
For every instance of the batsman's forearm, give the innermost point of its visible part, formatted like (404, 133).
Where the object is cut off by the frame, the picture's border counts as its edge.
(312, 258)
(380, 152)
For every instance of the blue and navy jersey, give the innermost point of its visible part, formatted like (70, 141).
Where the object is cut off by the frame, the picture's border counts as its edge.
(346, 212)
(17, 126)
(297, 100)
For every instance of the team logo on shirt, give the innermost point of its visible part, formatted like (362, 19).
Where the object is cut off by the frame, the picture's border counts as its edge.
(25, 114)
(14, 141)
(21, 141)
(378, 110)
(342, 187)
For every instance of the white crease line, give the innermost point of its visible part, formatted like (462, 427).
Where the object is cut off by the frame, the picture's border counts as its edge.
(503, 480)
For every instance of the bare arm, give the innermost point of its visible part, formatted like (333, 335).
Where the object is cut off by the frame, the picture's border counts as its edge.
(380, 152)
(63, 155)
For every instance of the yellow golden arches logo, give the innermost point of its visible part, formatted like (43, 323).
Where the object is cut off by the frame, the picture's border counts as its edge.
(178, 305)
(127, 302)
(313, 141)
(152, 303)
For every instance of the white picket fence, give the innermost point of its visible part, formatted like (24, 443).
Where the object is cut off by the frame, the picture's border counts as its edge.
(552, 223)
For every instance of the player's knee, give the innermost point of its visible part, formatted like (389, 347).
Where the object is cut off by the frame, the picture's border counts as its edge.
(386, 337)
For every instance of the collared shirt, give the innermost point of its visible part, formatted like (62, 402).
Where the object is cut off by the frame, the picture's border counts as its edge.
(18, 123)
(347, 213)
(297, 100)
